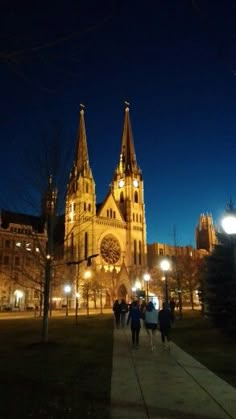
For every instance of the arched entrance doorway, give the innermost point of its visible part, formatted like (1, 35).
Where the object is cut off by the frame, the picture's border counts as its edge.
(122, 292)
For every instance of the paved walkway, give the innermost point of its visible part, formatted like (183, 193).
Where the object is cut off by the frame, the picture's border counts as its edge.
(165, 384)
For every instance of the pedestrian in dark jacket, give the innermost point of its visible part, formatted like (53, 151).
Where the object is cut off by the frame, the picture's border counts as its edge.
(134, 319)
(123, 311)
(172, 309)
(116, 310)
(165, 325)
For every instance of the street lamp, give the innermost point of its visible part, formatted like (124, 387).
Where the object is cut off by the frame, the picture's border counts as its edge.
(147, 278)
(78, 262)
(165, 267)
(67, 290)
(229, 226)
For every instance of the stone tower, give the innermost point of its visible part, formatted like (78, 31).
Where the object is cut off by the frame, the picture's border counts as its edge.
(206, 233)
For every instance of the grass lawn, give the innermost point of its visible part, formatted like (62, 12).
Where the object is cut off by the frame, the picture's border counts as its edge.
(67, 378)
(209, 345)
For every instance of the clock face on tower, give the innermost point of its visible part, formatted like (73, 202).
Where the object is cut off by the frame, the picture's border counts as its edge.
(110, 249)
(135, 183)
(121, 183)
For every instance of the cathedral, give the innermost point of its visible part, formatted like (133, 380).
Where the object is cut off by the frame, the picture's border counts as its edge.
(103, 252)
(113, 232)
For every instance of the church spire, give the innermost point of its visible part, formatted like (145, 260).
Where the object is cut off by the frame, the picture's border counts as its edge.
(127, 154)
(81, 158)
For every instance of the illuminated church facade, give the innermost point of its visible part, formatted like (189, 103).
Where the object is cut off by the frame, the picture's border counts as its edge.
(113, 230)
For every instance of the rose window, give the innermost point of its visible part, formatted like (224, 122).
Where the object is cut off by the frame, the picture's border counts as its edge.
(110, 249)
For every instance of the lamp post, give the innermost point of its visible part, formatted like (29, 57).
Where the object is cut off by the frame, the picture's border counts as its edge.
(147, 278)
(165, 267)
(78, 262)
(229, 226)
(67, 290)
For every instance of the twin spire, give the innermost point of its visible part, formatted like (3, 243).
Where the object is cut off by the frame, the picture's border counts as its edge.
(128, 162)
(81, 158)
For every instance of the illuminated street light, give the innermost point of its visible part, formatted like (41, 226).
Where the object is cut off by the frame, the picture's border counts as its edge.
(147, 278)
(67, 290)
(229, 224)
(165, 267)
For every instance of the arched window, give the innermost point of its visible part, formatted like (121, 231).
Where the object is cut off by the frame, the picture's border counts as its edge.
(114, 214)
(136, 218)
(133, 216)
(86, 187)
(135, 252)
(140, 252)
(110, 213)
(89, 207)
(72, 245)
(136, 196)
(121, 197)
(84, 206)
(85, 245)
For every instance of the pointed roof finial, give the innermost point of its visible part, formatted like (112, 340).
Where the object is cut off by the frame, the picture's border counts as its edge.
(127, 105)
(82, 107)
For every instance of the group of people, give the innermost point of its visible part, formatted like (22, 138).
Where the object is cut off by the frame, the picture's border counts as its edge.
(149, 315)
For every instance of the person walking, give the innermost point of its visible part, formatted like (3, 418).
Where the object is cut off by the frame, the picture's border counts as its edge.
(172, 305)
(123, 311)
(151, 321)
(134, 317)
(165, 325)
(117, 313)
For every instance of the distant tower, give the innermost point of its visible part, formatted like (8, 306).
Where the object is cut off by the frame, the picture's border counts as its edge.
(206, 233)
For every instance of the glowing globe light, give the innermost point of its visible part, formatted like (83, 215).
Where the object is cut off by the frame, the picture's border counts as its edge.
(229, 224)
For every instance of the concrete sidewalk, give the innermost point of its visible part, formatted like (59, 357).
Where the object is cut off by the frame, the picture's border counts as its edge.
(165, 384)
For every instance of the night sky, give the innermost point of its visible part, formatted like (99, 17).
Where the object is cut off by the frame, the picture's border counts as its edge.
(174, 61)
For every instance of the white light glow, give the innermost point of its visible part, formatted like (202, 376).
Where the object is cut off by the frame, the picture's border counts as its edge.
(138, 285)
(165, 265)
(19, 294)
(87, 274)
(146, 277)
(67, 289)
(229, 224)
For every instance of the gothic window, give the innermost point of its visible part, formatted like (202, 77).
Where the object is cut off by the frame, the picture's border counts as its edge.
(133, 217)
(84, 206)
(140, 252)
(135, 252)
(5, 260)
(136, 196)
(72, 244)
(140, 218)
(110, 249)
(89, 207)
(114, 214)
(136, 218)
(108, 213)
(121, 197)
(86, 245)
(86, 187)
(17, 261)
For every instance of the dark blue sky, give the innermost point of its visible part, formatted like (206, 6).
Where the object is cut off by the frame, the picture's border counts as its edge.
(175, 61)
